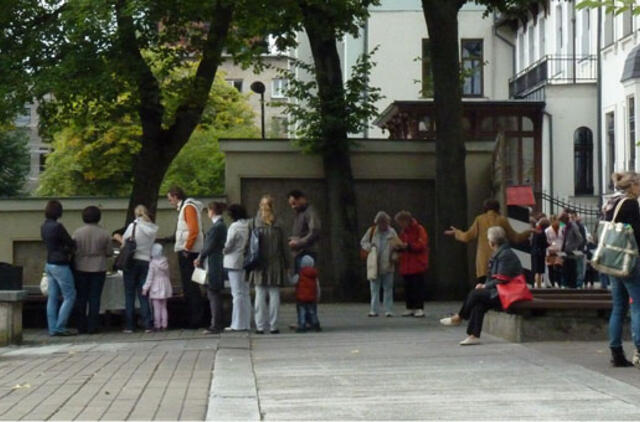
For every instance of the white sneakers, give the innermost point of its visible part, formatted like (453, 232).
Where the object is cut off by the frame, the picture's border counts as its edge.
(450, 322)
(470, 341)
(419, 313)
(411, 313)
(407, 313)
(636, 359)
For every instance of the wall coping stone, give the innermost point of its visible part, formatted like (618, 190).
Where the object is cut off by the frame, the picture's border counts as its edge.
(13, 295)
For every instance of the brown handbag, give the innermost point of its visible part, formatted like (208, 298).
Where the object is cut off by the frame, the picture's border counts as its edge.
(364, 253)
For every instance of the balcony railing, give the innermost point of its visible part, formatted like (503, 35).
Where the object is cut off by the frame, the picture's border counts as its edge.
(553, 70)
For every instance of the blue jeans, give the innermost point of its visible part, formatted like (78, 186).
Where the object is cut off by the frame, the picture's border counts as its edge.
(621, 290)
(581, 270)
(89, 287)
(604, 280)
(307, 315)
(134, 279)
(60, 284)
(386, 282)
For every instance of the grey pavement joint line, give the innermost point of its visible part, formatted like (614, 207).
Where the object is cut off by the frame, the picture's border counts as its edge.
(53, 362)
(123, 386)
(146, 384)
(55, 376)
(186, 390)
(255, 378)
(166, 387)
(82, 385)
(28, 368)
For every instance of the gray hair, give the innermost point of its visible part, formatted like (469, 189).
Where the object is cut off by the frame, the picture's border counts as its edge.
(497, 235)
(381, 216)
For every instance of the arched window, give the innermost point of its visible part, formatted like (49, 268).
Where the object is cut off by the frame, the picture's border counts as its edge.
(583, 161)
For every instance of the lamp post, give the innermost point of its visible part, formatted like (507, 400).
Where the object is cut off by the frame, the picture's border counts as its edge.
(259, 88)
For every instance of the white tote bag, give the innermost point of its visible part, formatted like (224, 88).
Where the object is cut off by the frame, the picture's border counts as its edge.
(44, 284)
(199, 276)
(372, 263)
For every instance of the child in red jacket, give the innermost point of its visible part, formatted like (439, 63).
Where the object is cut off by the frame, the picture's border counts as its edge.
(307, 296)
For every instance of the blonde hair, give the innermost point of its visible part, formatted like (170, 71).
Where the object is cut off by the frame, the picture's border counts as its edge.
(267, 213)
(625, 180)
(142, 211)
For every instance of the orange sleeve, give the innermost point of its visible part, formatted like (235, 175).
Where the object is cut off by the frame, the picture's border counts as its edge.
(191, 218)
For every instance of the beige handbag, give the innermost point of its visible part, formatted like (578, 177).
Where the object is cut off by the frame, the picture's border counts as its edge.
(372, 264)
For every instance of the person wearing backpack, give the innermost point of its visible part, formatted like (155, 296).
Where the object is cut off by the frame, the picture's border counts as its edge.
(627, 186)
(273, 267)
(233, 261)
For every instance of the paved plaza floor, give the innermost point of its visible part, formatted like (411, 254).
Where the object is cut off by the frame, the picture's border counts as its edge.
(357, 368)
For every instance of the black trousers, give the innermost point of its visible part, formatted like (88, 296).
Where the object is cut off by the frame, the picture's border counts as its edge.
(414, 290)
(89, 290)
(478, 302)
(215, 304)
(570, 273)
(191, 290)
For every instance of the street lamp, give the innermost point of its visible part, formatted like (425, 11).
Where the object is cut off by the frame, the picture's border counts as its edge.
(259, 88)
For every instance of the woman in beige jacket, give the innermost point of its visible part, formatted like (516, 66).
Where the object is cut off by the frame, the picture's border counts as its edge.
(478, 230)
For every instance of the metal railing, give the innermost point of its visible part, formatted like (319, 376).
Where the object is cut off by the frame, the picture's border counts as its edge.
(553, 70)
(590, 214)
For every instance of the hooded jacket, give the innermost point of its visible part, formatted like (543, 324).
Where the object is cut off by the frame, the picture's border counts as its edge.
(158, 283)
(307, 287)
(145, 236)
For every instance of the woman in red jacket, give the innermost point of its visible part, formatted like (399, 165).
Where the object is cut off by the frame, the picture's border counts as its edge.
(414, 261)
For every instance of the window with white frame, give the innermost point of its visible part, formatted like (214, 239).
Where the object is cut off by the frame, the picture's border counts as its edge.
(627, 22)
(559, 26)
(586, 30)
(24, 117)
(610, 124)
(608, 29)
(472, 66)
(278, 88)
(541, 37)
(532, 45)
(236, 83)
(631, 120)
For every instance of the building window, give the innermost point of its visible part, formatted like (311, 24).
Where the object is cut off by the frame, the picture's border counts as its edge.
(611, 144)
(42, 159)
(608, 29)
(427, 72)
(559, 38)
(521, 51)
(278, 88)
(532, 45)
(236, 83)
(541, 37)
(472, 63)
(631, 108)
(279, 127)
(583, 161)
(586, 31)
(627, 22)
(24, 118)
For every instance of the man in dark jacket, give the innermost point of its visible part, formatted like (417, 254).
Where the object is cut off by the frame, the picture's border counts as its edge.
(305, 233)
(484, 297)
(214, 242)
(572, 246)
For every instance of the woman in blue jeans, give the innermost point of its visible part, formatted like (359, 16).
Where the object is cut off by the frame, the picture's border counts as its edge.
(60, 248)
(627, 187)
(144, 232)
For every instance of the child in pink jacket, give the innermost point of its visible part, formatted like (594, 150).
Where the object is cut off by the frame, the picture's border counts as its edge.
(158, 286)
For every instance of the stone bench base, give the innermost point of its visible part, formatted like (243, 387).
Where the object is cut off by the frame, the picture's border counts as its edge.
(578, 325)
(11, 316)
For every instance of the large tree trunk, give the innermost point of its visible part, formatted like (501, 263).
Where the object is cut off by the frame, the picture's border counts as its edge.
(343, 224)
(160, 146)
(451, 189)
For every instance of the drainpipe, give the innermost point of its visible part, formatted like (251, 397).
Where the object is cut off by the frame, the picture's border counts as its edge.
(599, 105)
(573, 25)
(546, 113)
(365, 50)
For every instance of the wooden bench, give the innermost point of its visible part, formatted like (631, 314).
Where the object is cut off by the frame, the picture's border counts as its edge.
(554, 315)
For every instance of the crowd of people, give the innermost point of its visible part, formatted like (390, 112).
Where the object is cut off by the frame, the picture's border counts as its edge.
(561, 248)
(76, 266)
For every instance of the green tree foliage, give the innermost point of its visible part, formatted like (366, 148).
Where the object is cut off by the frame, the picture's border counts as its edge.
(93, 157)
(14, 160)
(612, 6)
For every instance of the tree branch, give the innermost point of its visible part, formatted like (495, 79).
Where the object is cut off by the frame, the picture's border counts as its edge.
(188, 113)
(150, 109)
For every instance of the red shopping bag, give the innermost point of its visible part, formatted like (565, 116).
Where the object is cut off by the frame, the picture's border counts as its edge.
(515, 290)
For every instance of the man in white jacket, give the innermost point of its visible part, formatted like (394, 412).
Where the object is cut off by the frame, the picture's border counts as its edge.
(188, 244)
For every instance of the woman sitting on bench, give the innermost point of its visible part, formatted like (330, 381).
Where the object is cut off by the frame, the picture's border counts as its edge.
(485, 296)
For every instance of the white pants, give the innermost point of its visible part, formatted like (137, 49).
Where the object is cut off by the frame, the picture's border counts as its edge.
(241, 314)
(261, 308)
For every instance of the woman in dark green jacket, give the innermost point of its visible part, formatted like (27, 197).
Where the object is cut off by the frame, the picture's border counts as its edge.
(214, 242)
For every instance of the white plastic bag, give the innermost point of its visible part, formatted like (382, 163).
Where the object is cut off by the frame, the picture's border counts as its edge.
(44, 284)
(372, 264)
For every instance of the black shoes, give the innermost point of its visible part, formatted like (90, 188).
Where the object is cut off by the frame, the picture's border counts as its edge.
(65, 333)
(618, 359)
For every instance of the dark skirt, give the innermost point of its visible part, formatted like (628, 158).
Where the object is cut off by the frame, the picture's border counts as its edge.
(538, 264)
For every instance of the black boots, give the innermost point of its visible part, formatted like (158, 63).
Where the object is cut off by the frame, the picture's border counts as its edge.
(618, 359)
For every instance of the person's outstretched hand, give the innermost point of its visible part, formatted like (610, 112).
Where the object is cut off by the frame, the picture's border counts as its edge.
(451, 231)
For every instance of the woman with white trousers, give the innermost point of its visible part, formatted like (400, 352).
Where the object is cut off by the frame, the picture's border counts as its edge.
(233, 261)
